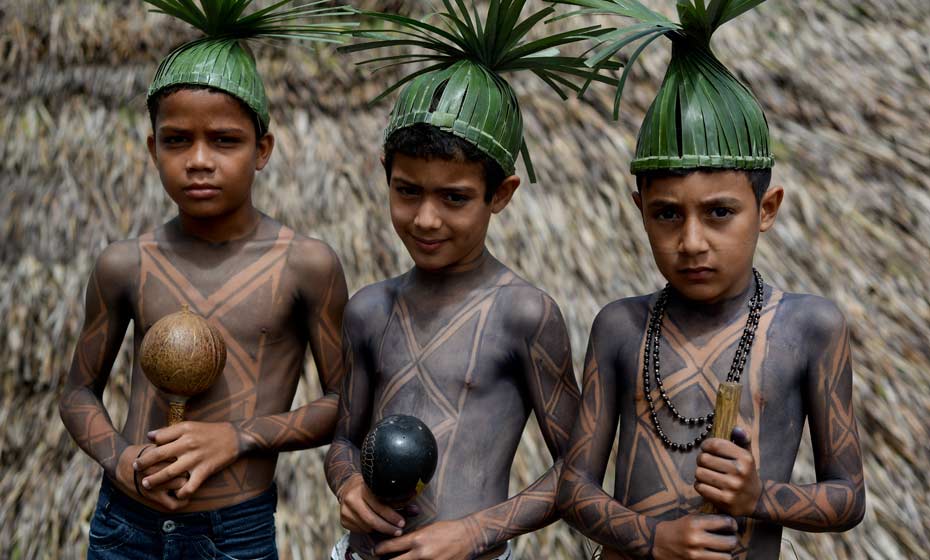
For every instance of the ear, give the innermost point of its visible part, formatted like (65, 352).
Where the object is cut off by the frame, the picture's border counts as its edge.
(387, 172)
(768, 207)
(265, 147)
(638, 200)
(150, 141)
(504, 193)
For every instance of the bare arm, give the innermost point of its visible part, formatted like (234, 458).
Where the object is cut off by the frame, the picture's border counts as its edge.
(581, 500)
(837, 501)
(323, 293)
(360, 511)
(354, 411)
(107, 314)
(546, 359)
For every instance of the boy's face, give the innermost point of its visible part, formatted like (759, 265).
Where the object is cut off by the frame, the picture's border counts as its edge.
(703, 229)
(439, 212)
(205, 149)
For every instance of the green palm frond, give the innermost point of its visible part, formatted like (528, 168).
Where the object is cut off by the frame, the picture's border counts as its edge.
(702, 116)
(227, 18)
(497, 42)
(459, 88)
(218, 60)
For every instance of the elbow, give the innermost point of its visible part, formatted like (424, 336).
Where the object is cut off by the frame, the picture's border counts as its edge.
(857, 513)
(564, 496)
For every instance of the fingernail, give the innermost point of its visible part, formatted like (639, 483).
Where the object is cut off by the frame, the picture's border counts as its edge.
(146, 484)
(135, 465)
(151, 435)
(402, 523)
(398, 533)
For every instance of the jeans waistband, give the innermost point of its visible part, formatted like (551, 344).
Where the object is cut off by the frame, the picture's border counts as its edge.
(212, 523)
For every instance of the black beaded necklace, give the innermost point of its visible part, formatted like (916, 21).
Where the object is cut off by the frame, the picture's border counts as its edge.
(654, 334)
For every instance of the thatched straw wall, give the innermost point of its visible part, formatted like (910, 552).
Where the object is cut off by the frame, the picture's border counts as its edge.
(846, 86)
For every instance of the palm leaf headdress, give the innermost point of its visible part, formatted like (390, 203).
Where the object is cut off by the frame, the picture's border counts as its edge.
(220, 60)
(460, 89)
(703, 116)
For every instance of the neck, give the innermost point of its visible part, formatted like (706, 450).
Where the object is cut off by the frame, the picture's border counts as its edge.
(218, 229)
(732, 303)
(455, 276)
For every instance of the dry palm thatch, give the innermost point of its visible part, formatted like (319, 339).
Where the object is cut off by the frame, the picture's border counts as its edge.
(844, 86)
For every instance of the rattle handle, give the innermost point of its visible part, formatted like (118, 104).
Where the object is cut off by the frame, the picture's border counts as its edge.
(175, 412)
(726, 413)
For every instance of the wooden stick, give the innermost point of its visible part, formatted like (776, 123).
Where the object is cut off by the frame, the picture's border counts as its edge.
(726, 413)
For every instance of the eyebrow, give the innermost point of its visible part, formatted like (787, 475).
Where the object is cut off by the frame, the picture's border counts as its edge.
(662, 203)
(457, 189)
(167, 129)
(721, 201)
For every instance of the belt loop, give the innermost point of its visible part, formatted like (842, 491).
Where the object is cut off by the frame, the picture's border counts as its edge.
(216, 520)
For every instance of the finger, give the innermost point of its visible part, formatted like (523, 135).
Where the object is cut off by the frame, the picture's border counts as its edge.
(385, 512)
(399, 544)
(158, 454)
(375, 522)
(174, 485)
(741, 437)
(716, 463)
(721, 448)
(717, 523)
(175, 470)
(169, 434)
(196, 479)
(719, 543)
(166, 500)
(411, 510)
(711, 494)
(711, 555)
(714, 479)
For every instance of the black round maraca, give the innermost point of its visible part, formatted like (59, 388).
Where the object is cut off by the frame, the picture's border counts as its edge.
(398, 458)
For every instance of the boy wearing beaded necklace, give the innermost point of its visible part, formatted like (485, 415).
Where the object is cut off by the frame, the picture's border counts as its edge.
(654, 362)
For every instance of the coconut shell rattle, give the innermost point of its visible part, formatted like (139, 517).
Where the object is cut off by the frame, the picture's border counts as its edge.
(182, 355)
(398, 459)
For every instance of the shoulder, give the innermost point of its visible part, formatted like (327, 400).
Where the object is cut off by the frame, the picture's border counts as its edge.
(369, 307)
(622, 315)
(118, 264)
(812, 317)
(527, 307)
(312, 258)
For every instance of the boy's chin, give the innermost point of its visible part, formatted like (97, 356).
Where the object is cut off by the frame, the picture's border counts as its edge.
(699, 292)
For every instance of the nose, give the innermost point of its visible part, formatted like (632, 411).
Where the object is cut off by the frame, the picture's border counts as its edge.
(200, 158)
(427, 217)
(692, 240)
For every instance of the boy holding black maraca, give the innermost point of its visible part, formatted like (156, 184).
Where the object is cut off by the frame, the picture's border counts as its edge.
(459, 341)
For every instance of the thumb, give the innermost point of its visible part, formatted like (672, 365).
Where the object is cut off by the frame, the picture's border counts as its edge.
(740, 436)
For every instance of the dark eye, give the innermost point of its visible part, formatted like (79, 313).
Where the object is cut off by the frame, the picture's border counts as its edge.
(407, 192)
(721, 212)
(228, 140)
(666, 214)
(456, 198)
(173, 139)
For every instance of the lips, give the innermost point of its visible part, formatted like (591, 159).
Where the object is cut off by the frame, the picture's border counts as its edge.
(697, 273)
(201, 191)
(428, 245)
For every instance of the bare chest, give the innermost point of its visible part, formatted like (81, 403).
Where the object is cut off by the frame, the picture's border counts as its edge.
(651, 477)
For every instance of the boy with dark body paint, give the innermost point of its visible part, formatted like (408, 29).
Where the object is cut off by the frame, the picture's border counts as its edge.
(459, 341)
(467, 346)
(703, 222)
(269, 291)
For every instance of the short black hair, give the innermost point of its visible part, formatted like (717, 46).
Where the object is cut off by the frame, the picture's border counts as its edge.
(425, 141)
(154, 103)
(759, 179)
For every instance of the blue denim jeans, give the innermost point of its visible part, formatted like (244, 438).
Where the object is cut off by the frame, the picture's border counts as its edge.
(124, 528)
